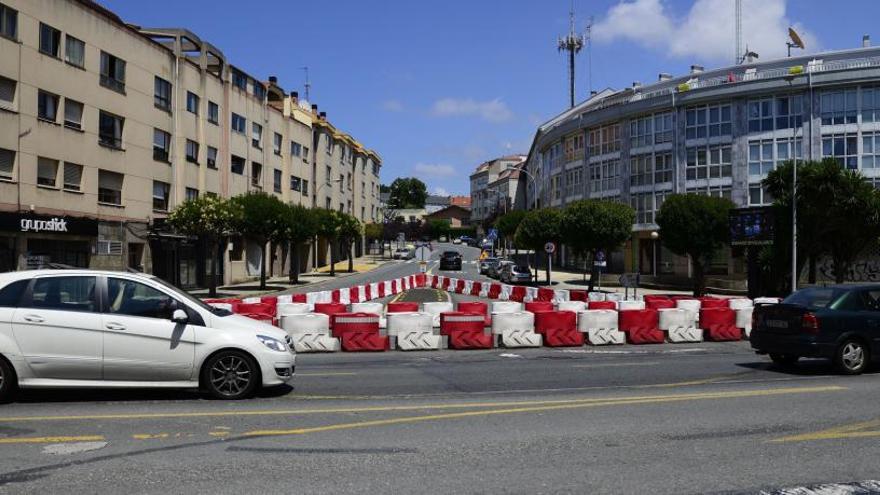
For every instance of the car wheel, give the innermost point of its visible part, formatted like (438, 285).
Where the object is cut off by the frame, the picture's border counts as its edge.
(230, 375)
(852, 357)
(8, 381)
(784, 359)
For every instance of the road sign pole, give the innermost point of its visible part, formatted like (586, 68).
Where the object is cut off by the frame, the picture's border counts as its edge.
(549, 268)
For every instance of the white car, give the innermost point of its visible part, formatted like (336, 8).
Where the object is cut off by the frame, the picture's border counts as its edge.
(457, 240)
(89, 328)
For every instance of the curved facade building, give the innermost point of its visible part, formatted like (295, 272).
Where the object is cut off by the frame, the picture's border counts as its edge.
(715, 132)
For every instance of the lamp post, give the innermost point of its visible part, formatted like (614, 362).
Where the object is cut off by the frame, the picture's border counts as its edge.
(655, 236)
(794, 272)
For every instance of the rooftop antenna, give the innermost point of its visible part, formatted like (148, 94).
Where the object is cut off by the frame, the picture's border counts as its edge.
(571, 43)
(739, 32)
(589, 39)
(795, 41)
(308, 85)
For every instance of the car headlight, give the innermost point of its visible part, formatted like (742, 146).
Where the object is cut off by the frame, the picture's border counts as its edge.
(273, 343)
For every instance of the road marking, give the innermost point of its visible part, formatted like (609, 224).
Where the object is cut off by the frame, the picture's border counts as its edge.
(561, 405)
(866, 429)
(58, 439)
(72, 448)
(615, 365)
(397, 297)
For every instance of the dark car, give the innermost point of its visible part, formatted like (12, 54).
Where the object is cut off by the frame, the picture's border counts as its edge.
(450, 260)
(486, 263)
(841, 323)
(495, 269)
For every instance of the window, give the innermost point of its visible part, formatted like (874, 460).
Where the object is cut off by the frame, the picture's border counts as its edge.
(663, 128)
(663, 167)
(602, 140)
(131, 298)
(707, 121)
(305, 187)
(276, 180)
(7, 92)
(107, 246)
(7, 163)
(47, 106)
(761, 115)
(64, 294)
(574, 147)
(50, 40)
(259, 90)
(192, 102)
(871, 104)
(761, 157)
(641, 170)
(237, 164)
(10, 295)
(256, 174)
(239, 80)
(110, 129)
(295, 183)
(73, 111)
(112, 72)
(192, 151)
(212, 157)
(295, 148)
(605, 176)
(74, 51)
(160, 195)
(341, 183)
(276, 143)
(775, 113)
(714, 191)
(786, 149)
(72, 176)
(329, 144)
(842, 147)
(306, 154)
(213, 113)
(162, 93)
(641, 132)
(161, 145)
(109, 187)
(871, 150)
(643, 204)
(838, 107)
(238, 123)
(759, 195)
(47, 171)
(8, 22)
(257, 136)
(192, 194)
(789, 112)
(708, 162)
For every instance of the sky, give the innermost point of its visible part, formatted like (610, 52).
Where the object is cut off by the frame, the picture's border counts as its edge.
(436, 88)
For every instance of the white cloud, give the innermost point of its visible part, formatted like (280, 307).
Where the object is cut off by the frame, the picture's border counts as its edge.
(392, 106)
(439, 191)
(495, 111)
(435, 170)
(706, 32)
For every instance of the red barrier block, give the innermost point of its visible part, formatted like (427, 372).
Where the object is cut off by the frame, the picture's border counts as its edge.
(719, 324)
(402, 307)
(601, 305)
(657, 303)
(544, 294)
(354, 294)
(476, 287)
(641, 326)
(518, 293)
(538, 306)
(578, 295)
(330, 309)
(559, 328)
(470, 340)
(446, 282)
(254, 309)
(298, 298)
(358, 332)
(395, 286)
(381, 287)
(713, 302)
(475, 307)
(465, 330)
(679, 297)
(655, 297)
(270, 300)
(418, 280)
(368, 292)
(494, 291)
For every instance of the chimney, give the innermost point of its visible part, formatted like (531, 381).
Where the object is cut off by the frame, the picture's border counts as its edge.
(664, 76)
(323, 115)
(593, 93)
(273, 79)
(866, 41)
(696, 69)
(294, 95)
(637, 84)
(315, 108)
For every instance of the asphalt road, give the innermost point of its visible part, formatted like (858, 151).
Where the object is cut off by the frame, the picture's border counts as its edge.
(694, 418)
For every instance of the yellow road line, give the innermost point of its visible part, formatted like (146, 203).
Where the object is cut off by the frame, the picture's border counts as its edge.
(864, 429)
(574, 404)
(397, 297)
(58, 439)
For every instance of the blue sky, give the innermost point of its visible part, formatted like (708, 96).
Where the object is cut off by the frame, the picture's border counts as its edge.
(438, 87)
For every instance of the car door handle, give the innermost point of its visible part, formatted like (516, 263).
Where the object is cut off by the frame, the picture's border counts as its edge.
(114, 326)
(34, 319)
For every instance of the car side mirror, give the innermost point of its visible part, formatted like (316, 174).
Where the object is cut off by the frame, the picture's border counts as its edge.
(179, 316)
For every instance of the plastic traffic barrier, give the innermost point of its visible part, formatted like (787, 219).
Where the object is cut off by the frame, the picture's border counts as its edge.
(371, 307)
(402, 307)
(459, 286)
(738, 303)
(659, 303)
(577, 295)
(596, 296)
(545, 294)
(679, 325)
(506, 307)
(744, 320)
(713, 302)
(358, 332)
(576, 306)
(292, 308)
(300, 298)
(614, 296)
(600, 326)
(475, 307)
(517, 293)
(255, 309)
(602, 305)
(559, 328)
(538, 306)
(629, 305)
(330, 309)
(641, 326)
(435, 308)
(719, 324)
(309, 332)
(516, 329)
(494, 291)
(413, 331)
(465, 330)
(476, 288)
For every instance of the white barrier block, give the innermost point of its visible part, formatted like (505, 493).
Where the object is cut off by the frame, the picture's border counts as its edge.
(440, 279)
(374, 291)
(691, 305)
(312, 298)
(505, 307)
(409, 322)
(739, 303)
(291, 308)
(560, 295)
(468, 286)
(597, 318)
(576, 306)
(614, 296)
(405, 283)
(688, 333)
(766, 300)
(484, 289)
(744, 320)
(389, 288)
(285, 298)
(605, 336)
(629, 304)
(520, 338)
(504, 295)
(518, 320)
(596, 296)
(435, 308)
(325, 296)
(344, 296)
(251, 300)
(372, 308)
(305, 323)
(679, 325)
(409, 340)
(531, 294)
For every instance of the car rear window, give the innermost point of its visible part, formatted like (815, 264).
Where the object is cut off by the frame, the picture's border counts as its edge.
(11, 294)
(818, 298)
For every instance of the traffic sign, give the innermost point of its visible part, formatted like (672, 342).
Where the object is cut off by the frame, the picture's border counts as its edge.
(423, 253)
(550, 248)
(600, 259)
(493, 234)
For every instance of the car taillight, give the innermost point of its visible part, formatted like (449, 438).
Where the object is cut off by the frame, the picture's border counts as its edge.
(810, 324)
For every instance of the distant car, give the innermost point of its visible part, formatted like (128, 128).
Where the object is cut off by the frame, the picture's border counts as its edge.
(485, 263)
(841, 323)
(495, 269)
(512, 273)
(457, 240)
(442, 238)
(403, 254)
(450, 260)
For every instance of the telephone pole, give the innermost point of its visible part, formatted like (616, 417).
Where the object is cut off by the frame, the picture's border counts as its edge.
(571, 43)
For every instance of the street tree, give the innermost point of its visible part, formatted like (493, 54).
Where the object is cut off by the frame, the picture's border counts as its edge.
(696, 226)
(373, 231)
(259, 217)
(507, 225)
(536, 229)
(592, 225)
(328, 223)
(350, 230)
(209, 218)
(407, 193)
(438, 228)
(298, 228)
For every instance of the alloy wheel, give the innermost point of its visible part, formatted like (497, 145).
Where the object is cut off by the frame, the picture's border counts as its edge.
(230, 376)
(852, 355)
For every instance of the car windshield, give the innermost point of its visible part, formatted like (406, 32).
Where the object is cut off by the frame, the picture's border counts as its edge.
(815, 298)
(192, 299)
(450, 254)
(521, 269)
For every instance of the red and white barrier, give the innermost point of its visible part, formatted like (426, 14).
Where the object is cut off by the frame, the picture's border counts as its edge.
(358, 332)
(435, 309)
(600, 325)
(309, 332)
(516, 329)
(575, 306)
(413, 331)
(292, 308)
(465, 330)
(641, 326)
(719, 324)
(630, 305)
(559, 328)
(679, 325)
(373, 308)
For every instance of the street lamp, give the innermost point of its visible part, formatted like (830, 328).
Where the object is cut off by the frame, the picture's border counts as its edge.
(794, 275)
(655, 236)
(534, 185)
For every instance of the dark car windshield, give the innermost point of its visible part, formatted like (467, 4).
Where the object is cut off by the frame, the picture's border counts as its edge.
(521, 269)
(815, 298)
(450, 254)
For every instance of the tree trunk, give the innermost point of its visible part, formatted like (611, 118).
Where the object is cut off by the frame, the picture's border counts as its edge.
(271, 259)
(840, 269)
(332, 243)
(699, 276)
(263, 266)
(212, 280)
(351, 257)
(293, 274)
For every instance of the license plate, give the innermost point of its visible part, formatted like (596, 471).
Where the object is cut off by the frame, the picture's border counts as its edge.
(776, 324)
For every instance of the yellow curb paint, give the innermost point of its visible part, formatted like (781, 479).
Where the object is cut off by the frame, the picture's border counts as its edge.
(866, 429)
(56, 439)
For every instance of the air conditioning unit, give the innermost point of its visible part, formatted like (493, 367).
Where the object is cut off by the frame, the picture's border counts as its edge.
(109, 247)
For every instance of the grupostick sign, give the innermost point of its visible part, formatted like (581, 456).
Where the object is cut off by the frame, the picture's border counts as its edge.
(29, 223)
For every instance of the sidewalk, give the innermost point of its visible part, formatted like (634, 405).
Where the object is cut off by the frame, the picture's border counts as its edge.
(281, 283)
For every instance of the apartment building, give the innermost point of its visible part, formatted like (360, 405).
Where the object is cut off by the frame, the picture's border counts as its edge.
(105, 127)
(491, 190)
